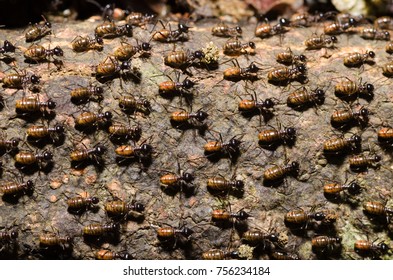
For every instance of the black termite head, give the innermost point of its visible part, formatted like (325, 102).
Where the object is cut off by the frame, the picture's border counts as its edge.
(273, 237)
(58, 51)
(183, 27)
(99, 90)
(333, 39)
(364, 112)
(107, 115)
(15, 142)
(377, 158)
(95, 200)
(47, 155)
(187, 84)
(99, 150)
(294, 167)
(354, 188)
(186, 232)
(146, 148)
(319, 93)
(34, 79)
(356, 139)
(30, 185)
(291, 132)
(369, 88)
(51, 104)
(125, 65)
(301, 68)
(252, 45)
(146, 47)
(238, 29)
(201, 116)
(99, 40)
(14, 234)
(234, 143)
(253, 68)
(188, 177)
(283, 22)
(319, 216)
(8, 46)
(383, 247)
(139, 207)
(199, 54)
(269, 103)
(59, 128)
(302, 58)
(239, 184)
(234, 255)
(371, 54)
(243, 215)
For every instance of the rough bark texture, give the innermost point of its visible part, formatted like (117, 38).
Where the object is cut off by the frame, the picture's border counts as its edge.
(46, 208)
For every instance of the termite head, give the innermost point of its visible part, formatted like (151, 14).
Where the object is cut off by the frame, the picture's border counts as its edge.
(51, 104)
(47, 155)
(58, 51)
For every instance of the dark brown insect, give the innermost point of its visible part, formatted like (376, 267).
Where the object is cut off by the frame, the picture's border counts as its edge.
(126, 132)
(110, 255)
(38, 31)
(7, 47)
(278, 173)
(90, 119)
(234, 47)
(38, 53)
(129, 103)
(110, 67)
(302, 97)
(230, 148)
(376, 208)
(387, 69)
(237, 73)
(337, 27)
(247, 105)
(283, 255)
(301, 218)
(80, 155)
(54, 240)
(184, 117)
(126, 51)
(217, 254)
(223, 215)
(128, 151)
(84, 44)
(29, 158)
(223, 30)
(322, 243)
(173, 181)
(8, 236)
(335, 189)
(338, 145)
(265, 29)
(348, 88)
(19, 81)
(183, 59)
(318, 42)
(32, 104)
(285, 74)
(272, 137)
(168, 233)
(80, 202)
(139, 19)
(221, 184)
(83, 94)
(41, 131)
(100, 229)
(121, 208)
(172, 87)
(16, 189)
(258, 237)
(363, 161)
(355, 59)
(170, 36)
(344, 117)
(385, 135)
(385, 22)
(109, 29)
(370, 33)
(366, 247)
(289, 58)
(8, 145)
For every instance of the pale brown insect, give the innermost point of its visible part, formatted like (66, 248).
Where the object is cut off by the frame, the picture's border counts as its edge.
(38, 53)
(90, 119)
(79, 203)
(53, 239)
(221, 184)
(126, 51)
(278, 173)
(318, 42)
(100, 229)
(110, 255)
(110, 67)
(346, 116)
(84, 44)
(237, 73)
(289, 58)
(217, 254)
(338, 145)
(139, 19)
(109, 29)
(285, 74)
(166, 35)
(83, 94)
(301, 98)
(223, 30)
(385, 135)
(363, 161)
(19, 80)
(32, 104)
(234, 47)
(28, 158)
(301, 218)
(265, 29)
(16, 189)
(387, 69)
(38, 31)
(385, 22)
(370, 33)
(322, 243)
(121, 208)
(373, 249)
(355, 59)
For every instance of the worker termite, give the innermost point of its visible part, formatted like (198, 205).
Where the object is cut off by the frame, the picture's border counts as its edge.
(302, 98)
(170, 88)
(37, 53)
(258, 237)
(344, 118)
(8, 236)
(220, 148)
(121, 132)
(82, 203)
(219, 184)
(38, 31)
(183, 119)
(84, 44)
(323, 244)
(24, 159)
(285, 75)
(15, 189)
(234, 47)
(32, 104)
(283, 255)
(119, 208)
(105, 254)
(139, 19)
(109, 30)
(85, 155)
(169, 235)
(82, 95)
(337, 28)
(183, 59)
(271, 138)
(51, 240)
(370, 33)
(364, 161)
(217, 254)
(90, 120)
(111, 68)
(378, 209)
(385, 136)
(237, 73)
(277, 173)
(7, 47)
(9, 144)
(338, 145)
(357, 59)
(166, 35)
(389, 47)
(387, 69)
(372, 249)
(141, 152)
(318, 42)
(288, 58)
(223, 216)
(126, 51)
(265, 29)
(348, 89)
(20, 80)
(300, 218)
(102, 229)
(36, 133)
(334, 190)
(129, 104)
(384, 22)
(223, 30)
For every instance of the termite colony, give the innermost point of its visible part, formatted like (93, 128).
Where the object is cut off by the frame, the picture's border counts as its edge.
(192, 140)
